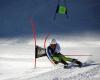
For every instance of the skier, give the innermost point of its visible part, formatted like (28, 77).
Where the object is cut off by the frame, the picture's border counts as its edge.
(53, 51)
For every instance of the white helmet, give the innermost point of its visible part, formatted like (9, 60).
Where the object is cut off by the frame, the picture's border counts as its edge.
(53, 41)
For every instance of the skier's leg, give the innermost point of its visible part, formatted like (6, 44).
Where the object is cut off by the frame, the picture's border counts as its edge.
(56, 58)
(62, 57)
(59, 59)
(64, 62)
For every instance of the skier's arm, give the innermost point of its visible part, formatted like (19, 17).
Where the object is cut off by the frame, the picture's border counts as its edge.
(58, 49)
(49, 52)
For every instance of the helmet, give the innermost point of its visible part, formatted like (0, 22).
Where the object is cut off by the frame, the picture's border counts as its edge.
(53, 41)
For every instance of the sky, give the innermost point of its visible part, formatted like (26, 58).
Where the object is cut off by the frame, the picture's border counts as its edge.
(84, 17)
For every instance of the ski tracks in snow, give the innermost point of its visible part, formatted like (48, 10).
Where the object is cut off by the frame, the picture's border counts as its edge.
(74, 73)
(85, 73)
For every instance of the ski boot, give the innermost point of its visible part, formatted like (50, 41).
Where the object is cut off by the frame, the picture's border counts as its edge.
(67, 66)
(77, 62)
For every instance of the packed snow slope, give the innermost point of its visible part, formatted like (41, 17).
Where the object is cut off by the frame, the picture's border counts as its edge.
(17, 61)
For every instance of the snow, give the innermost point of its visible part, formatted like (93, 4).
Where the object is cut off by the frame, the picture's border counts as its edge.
(17, 62)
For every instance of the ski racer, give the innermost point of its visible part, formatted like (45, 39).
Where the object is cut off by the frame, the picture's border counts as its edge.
(53, 50)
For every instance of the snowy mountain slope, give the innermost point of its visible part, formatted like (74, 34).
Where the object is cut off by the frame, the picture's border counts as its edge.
(17, 62)
(85, 73)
